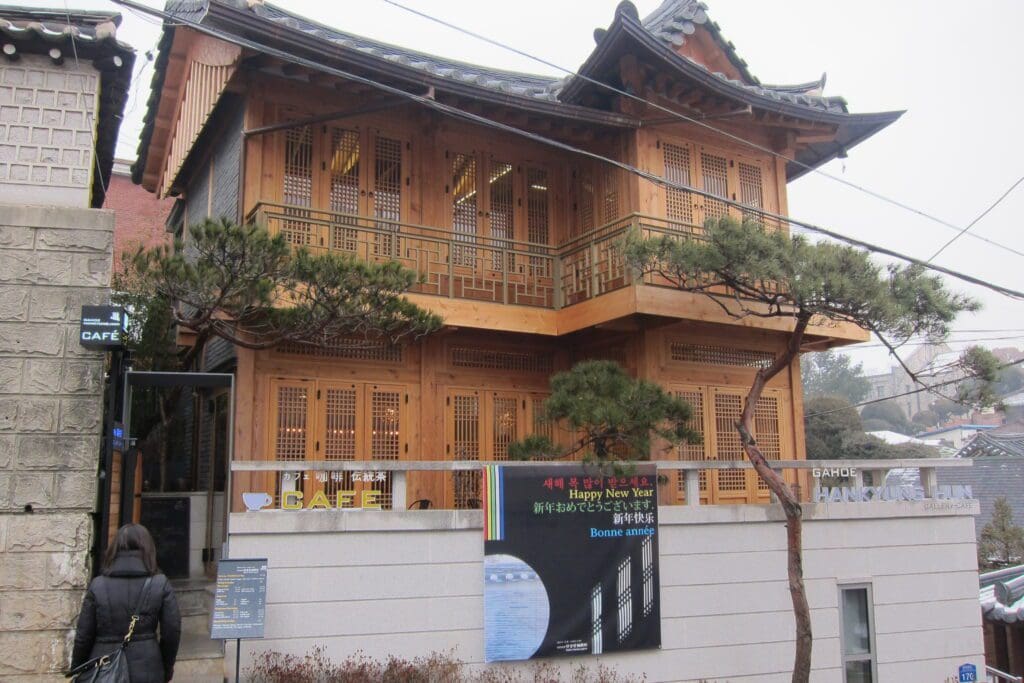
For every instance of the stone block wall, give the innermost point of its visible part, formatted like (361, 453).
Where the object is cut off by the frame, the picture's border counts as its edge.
(46, 131)
(52, 261)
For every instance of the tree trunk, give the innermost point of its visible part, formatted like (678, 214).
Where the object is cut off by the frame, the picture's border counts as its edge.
(789, 501)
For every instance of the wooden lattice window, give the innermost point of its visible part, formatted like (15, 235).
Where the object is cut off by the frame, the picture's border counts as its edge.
(541, 427)
(350, 349)
(465, 211)
(344, 178)
(502, 210)
(584, 191)
(711, 354)
(694, 396)
(715, 179)
(504, 425)
(609, 195)
(292, 422)
(766, 430)
(386, 193)
(751, 189)
(298, 183)
(466, 436)
(538, 228)
(728, 407)
(341, 431)
(490, 359)
(678, 203)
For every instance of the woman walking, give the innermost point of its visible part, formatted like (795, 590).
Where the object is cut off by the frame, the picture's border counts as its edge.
(111, 599)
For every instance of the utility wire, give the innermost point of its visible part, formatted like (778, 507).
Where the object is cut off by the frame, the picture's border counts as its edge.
(858, 347)
(926, 387)
(481, 120)
(980, 216)
(703, 124)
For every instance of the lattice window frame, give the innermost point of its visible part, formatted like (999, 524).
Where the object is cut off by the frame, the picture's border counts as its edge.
(348, 349)
(480, 358)
(682, 351)
(678, 163)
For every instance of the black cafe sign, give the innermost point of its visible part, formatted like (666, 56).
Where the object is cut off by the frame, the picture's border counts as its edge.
(102, 327)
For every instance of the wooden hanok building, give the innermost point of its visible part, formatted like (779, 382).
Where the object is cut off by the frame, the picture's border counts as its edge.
(261, 115)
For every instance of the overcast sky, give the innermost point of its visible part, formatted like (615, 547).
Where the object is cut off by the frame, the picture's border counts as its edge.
(951, 65)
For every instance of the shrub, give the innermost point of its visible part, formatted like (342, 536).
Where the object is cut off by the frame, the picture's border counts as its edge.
(315, 667)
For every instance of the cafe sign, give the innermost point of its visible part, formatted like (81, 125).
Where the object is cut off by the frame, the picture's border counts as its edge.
(102, 327)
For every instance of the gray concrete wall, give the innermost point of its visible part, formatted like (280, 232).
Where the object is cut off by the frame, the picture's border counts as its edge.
(46, 131)
(411, 583)
(52, 261)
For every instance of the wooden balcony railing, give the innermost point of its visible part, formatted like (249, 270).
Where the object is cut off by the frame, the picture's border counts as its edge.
(477, 267)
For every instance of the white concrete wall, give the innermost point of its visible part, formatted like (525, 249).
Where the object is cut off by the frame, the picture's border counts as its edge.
(411, 583)
(47, 121)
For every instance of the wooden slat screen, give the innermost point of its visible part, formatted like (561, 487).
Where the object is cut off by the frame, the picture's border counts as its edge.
(344, 167)
(504, 426)
(464, 207)
(767, 419)
(609, 195)
(340, 435)
(694, 451)
(751, 190)
(502, 209)
(491, 359)
(298, 182)
(715, 179)
(466, 439)
(386, 193)
(712, 354)
(678, 203)
(728, 407)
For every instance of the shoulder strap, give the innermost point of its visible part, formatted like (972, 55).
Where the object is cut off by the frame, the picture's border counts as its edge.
(138, 607)
(140, 603)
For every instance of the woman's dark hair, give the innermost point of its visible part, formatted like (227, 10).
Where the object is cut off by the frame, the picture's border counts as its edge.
(132, 537)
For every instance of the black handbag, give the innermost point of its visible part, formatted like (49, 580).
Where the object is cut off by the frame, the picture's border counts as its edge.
(113, 666)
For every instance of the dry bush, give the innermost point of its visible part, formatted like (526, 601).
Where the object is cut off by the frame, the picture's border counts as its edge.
(315, 667)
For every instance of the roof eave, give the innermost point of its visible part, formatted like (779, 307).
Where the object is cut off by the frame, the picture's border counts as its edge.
(252, 24)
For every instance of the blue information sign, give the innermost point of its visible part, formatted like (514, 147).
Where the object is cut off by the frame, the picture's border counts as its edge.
(968, 673)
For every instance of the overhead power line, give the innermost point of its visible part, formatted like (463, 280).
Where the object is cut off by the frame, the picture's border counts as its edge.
(483, 121)
(980, 216)
(858, 347)
(927, 387)
(706, 125)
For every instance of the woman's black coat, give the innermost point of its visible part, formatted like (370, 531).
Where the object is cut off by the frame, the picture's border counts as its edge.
(106, 613)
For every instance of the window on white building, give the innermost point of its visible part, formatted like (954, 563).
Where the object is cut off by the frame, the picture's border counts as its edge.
(858, 634)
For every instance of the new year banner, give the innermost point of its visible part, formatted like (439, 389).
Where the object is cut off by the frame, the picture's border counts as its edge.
(570, 561)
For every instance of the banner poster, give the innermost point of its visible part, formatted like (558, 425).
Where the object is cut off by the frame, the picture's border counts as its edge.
(570, 561)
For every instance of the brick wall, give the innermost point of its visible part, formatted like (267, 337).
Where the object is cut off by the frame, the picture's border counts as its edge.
(52, 260)
(46, 138)
(140, 217)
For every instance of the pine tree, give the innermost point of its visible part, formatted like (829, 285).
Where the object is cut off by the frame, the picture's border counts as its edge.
(1001, 542)
(751, 271)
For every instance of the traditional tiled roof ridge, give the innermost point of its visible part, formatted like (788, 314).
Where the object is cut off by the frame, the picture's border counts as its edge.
(673, 20)
(513, 82)
(92, 36)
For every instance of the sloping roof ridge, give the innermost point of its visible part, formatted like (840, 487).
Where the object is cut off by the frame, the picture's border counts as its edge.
(407, 56)
(79, 16)
(673, 20)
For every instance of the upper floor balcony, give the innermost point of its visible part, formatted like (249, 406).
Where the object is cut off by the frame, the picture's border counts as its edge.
(473, 280)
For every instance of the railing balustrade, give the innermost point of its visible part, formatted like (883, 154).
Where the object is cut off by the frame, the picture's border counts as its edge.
(476, 267)
(327, 470)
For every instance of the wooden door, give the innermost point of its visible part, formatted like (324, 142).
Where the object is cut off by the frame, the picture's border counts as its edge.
(292, 420)
(696, 397)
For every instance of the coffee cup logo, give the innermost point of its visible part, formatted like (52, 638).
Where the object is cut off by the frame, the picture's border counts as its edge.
(256, 501)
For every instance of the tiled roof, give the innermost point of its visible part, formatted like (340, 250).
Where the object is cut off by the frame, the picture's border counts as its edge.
(987, 444)
(990, 478)
(1006, 584)
(89, 36)
(674, 20)
(507, 82)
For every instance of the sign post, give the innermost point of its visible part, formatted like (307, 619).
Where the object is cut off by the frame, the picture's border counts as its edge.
(102, 327)
(240, 603)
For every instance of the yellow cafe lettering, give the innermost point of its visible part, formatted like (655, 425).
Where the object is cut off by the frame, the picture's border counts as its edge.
(294, 500)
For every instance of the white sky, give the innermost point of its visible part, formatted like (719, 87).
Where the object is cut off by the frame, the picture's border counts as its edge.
(951, 65)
